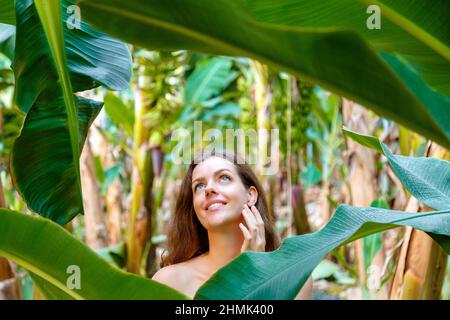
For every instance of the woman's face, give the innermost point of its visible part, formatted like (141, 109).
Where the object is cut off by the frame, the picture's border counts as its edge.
(218, 193)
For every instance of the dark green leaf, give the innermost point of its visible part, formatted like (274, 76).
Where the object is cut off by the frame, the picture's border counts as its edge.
(41, 160)
(7, 13)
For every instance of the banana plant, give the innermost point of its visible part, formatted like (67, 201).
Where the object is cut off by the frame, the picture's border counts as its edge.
(204, 97)
(321, 51)
(53, 60)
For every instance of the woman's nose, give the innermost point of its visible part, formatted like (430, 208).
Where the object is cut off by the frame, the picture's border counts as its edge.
(210, 190)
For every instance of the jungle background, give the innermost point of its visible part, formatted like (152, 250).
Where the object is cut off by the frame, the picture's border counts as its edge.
(89, 106)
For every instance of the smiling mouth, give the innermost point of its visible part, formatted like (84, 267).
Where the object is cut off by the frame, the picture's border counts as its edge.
(216, 206)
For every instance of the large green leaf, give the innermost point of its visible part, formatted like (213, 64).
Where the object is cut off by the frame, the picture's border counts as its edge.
(334, 58)
(428, 179)
(92, 58)
(42, 163)
(47, 250)
(280, 274)
(7, 13)
(437, 103)
(52, 62)
(416, 29)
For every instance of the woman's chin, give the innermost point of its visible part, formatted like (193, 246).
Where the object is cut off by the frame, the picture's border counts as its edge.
(221, 218)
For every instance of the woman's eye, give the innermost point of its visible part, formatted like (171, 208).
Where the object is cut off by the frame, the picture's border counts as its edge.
(197, 186)
(224, 177)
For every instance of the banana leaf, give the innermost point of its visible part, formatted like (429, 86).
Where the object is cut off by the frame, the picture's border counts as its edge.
(51, 63)
(47, 251)
(417, 30)
(427, 179)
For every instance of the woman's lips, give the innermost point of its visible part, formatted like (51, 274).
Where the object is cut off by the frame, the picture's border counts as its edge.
(216, 206)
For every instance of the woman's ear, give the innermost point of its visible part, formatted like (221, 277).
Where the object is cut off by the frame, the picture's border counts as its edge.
(252, 196)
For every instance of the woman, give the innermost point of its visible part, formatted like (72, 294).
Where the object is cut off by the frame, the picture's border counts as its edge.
(220, 212)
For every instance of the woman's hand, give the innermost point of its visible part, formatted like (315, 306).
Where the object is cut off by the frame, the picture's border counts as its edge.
(254, 233)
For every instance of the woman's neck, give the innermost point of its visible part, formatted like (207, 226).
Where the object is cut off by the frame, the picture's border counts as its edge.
(224, 246)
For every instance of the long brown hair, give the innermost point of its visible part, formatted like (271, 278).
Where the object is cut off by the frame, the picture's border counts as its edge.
(187, 238)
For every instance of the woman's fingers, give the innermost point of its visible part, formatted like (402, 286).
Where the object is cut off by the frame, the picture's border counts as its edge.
(259, 224)
(254, 234)
(257, 215)
(247, 237)
(250, 220)
(259, 221)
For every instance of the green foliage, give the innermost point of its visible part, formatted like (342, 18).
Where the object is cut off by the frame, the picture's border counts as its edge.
(7, 14)
(414, 29)
(115, 255)
(310, 175)
(42, 248)
(428, 179)
(327, 269)
(324, 269)
(7, 39)
(12, 122)
(372, 244)
(405, 65)
(210, 77)
(120, 113)
(56, 120)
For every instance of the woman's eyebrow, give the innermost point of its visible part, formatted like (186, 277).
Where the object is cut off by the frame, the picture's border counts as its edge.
(215, 173)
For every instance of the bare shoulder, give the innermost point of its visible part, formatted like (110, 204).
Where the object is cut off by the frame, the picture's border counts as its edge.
(170, 275)
(182, 276)
(178, 275)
